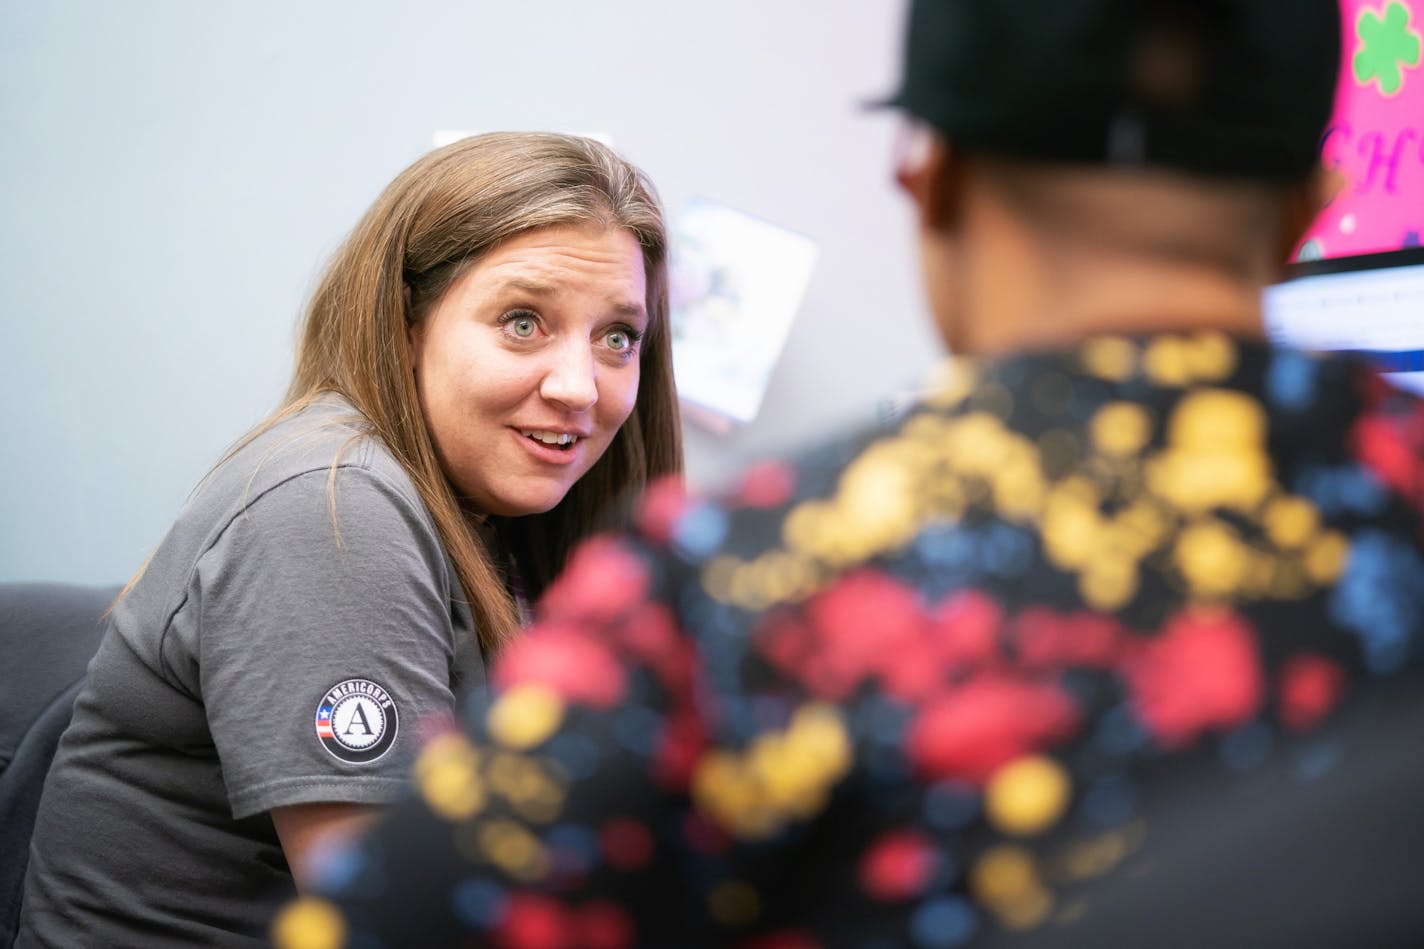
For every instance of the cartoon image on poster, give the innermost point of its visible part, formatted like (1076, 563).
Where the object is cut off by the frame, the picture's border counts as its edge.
(736, 283)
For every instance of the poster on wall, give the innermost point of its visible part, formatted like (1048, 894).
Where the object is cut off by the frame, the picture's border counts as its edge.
(1375, 139)
(735, 282)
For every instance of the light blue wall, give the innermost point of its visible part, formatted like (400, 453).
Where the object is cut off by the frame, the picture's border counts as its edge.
(173, 174)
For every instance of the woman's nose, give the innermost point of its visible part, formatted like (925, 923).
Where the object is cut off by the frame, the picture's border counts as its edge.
(571, 379)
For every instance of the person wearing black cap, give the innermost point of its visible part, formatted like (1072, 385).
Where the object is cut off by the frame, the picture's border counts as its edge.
(1112, 640)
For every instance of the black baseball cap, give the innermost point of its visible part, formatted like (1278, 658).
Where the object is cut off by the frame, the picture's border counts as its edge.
(1228, 88)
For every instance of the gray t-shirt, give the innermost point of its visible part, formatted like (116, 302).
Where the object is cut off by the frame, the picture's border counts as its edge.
(290, 635)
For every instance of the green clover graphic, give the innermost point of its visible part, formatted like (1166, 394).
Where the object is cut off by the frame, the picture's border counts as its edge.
(1387, 46)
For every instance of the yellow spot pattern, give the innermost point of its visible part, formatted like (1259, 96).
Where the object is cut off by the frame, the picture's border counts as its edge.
(525, 716)
(1216, 454)
(1204, 508)
(1326, 557)
(447, 773)
(512, 848)
(309, 923)
(783, 776)
(932, 470)
(1121, 429)
(1212, 559)
(1006, 881)
(1166, 361)
(1210, 357)
(1027, 796)
(1110, 357)
(1290, 521)
(534, 790)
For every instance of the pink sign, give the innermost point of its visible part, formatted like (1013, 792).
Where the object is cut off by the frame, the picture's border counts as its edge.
(1376, 137)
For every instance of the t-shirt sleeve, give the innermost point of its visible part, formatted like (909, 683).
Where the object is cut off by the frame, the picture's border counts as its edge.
(562, 794)
(325, 641)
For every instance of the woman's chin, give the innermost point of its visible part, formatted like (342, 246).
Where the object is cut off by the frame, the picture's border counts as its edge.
(522, 505)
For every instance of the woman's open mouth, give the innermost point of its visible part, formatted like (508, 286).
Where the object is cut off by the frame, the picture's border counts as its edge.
(560, 441)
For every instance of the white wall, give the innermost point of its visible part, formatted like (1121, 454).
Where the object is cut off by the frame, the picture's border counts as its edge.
(173, 174)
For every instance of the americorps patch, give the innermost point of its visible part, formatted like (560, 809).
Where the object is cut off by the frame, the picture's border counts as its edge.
(356, 721)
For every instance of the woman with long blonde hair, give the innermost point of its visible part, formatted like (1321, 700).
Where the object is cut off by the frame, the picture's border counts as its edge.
(483, 372)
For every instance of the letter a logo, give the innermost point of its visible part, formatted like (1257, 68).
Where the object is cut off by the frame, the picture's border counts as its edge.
(356, 728)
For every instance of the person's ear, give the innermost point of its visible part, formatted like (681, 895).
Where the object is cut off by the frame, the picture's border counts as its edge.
(1303, 203)
(414, 333)
(931, 174)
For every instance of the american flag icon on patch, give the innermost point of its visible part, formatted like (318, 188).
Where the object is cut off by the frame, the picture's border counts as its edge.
(323, 722)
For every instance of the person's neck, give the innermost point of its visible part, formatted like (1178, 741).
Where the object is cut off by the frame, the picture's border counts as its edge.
(1062, 296)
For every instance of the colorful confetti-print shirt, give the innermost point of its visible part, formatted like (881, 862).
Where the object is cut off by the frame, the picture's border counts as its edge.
(1074, 649)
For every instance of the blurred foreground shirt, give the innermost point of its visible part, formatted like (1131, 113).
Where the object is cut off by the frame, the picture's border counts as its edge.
(1114, 646)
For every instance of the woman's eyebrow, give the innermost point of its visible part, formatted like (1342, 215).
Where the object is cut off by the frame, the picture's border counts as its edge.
(622, 308)
(631, 310)
(530, 285)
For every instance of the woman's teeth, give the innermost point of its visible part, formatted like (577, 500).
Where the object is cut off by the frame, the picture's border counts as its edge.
(556, 439)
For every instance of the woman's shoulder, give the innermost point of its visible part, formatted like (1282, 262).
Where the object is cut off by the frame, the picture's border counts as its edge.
(328, 437)
(311, 472)
(316, 490)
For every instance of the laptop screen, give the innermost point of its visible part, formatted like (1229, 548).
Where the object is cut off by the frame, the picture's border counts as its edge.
(1371, 304)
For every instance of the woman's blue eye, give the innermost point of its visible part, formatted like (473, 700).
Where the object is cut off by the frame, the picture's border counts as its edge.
(622, 339)
(521, 323)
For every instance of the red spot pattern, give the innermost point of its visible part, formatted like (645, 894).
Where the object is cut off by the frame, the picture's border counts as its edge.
(988, 721)
(1390, 440)
(533, 922)
(1202, 672)
(1309, 687)
(538, 922)
(854, 625)
(870, 626)
(649, 635)
(965, 630)
(565, 659)
(662, 503)
(768, 484)
(602, 581)
(897, 866)
(1045, 639)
